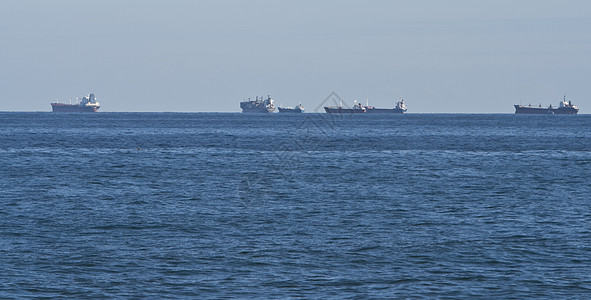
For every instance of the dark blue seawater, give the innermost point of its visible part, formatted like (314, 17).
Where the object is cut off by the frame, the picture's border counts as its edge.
(180, 205)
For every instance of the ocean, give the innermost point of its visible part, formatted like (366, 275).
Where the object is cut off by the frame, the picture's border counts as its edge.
(230, 205)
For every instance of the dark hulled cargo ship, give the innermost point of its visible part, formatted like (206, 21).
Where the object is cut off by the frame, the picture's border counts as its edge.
(259, 105)
(86, 104)
(356, 109)
(292, 110)
(400, 108)
(564, 108)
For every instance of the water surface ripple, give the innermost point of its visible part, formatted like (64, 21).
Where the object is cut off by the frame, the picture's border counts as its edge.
(171, 205)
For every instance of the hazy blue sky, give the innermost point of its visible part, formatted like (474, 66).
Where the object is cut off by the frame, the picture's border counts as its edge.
(441, 56)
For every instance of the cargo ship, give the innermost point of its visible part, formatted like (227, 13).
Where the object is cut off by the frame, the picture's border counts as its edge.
(293, 110)
(259, 105)
(400, 108)
(356, 109)
(564, 108)
(86, 104)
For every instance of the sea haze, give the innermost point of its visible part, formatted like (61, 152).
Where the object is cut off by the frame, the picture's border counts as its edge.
(214, 205)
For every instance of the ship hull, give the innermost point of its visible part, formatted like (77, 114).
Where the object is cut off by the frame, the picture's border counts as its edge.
(340, 110)
(59, 107)
(257, 110)
(565, 111)
(527, 110)
(385, 111)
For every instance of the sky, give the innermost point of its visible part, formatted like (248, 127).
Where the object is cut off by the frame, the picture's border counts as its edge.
(453, 56)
